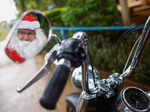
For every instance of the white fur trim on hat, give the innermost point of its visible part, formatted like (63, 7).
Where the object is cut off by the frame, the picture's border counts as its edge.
(29, 25)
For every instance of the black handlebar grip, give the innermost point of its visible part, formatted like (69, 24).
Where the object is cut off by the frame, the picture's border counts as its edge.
(55, 87)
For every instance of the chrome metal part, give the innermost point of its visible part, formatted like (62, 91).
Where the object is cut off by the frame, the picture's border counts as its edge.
(84, 95)
(63, 61)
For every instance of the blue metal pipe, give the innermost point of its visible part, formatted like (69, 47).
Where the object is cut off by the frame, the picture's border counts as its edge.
(94, 28)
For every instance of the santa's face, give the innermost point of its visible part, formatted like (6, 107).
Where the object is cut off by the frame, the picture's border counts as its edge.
(26, 34)
(25, 47)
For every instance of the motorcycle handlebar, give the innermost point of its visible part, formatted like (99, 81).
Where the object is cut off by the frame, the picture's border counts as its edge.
(55, 87)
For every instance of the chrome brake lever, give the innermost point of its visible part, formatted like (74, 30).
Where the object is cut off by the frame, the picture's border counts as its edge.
(49, 59)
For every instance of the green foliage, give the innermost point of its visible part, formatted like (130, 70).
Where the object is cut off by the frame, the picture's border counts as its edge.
(102, 50)
(55, 16)
(142, 72)
(23, 5)
(59, 3)
(90, 13)
(44, 24)
(84, 13)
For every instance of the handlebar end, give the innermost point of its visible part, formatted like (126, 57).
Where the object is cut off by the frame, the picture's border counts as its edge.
(47, 105)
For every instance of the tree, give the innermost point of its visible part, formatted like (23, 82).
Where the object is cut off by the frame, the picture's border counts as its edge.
(23, 5)
(90, 13)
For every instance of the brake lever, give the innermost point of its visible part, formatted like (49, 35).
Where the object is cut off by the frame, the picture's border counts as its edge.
(49, 59)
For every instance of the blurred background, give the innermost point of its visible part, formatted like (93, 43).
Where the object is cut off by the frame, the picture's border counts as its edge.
(108, 48)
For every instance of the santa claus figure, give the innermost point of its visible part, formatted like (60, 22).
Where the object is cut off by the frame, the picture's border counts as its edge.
(25, 41)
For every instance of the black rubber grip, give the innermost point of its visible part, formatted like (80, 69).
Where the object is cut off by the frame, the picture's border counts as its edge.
(55, 87)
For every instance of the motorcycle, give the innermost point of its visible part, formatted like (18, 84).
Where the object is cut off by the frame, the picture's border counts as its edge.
(97, 93)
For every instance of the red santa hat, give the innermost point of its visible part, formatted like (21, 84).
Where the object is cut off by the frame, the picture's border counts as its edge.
(29, 22)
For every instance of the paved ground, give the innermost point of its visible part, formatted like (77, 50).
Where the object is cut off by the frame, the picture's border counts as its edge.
(13, 76)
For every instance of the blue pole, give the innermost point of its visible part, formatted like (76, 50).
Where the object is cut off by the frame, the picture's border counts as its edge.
(99, 28)
(63, 33)
(93, 28)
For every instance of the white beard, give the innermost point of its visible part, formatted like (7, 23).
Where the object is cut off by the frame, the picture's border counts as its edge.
(28, 49)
